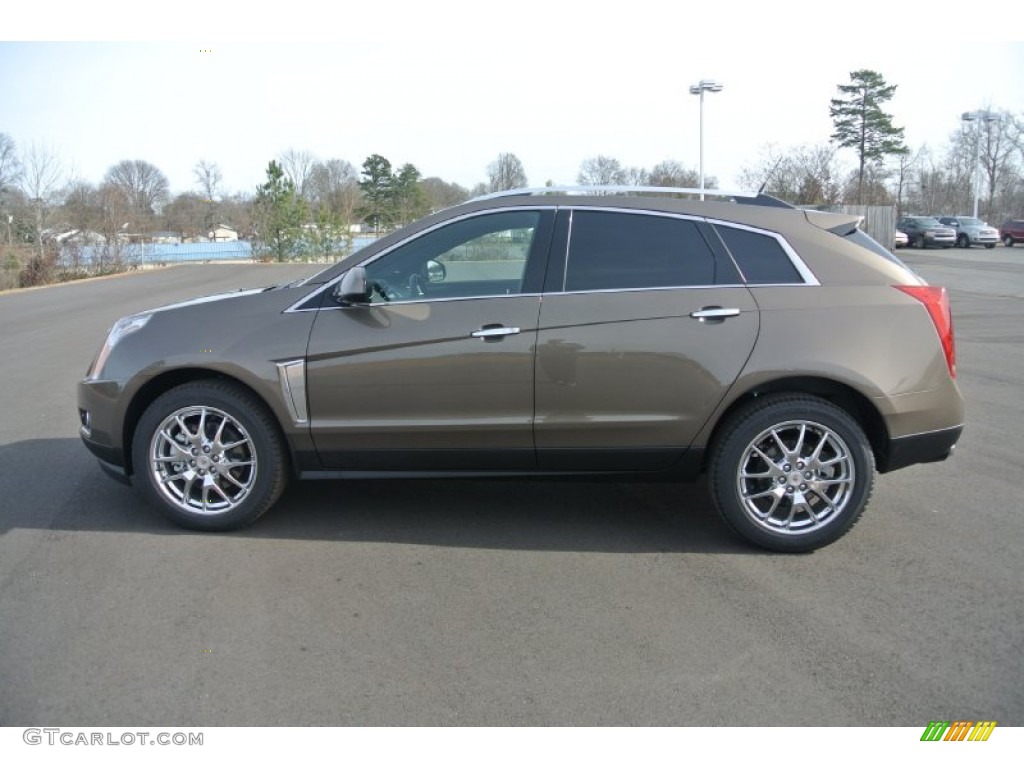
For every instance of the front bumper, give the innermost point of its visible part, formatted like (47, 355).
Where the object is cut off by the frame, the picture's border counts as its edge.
(101, 424)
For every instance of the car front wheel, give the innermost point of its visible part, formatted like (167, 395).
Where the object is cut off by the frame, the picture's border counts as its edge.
(791, 473)
(1008, 241)
(209, 456)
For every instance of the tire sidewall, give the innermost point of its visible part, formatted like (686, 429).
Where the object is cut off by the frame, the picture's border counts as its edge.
(730, 452)
(249, 414)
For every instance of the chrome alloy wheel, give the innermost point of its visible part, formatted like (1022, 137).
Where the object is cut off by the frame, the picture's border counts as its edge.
(795, 477)
(203, 460)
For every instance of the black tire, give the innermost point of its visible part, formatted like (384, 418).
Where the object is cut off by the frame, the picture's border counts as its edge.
(962, 241)
(1008, 241)
(990, 245)
(226, 464)
(817, 500)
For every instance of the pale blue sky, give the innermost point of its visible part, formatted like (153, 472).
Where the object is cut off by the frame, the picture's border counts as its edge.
(449, 85)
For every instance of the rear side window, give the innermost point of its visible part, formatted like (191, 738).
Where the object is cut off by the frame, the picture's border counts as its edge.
(610, 250)
(760, 257)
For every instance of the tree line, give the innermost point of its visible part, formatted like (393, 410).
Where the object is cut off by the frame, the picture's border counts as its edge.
(305, 208)
(308, 207)
(922, 180)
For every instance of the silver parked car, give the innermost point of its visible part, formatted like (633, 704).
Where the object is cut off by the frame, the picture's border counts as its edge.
(619, 333)
(971, 231)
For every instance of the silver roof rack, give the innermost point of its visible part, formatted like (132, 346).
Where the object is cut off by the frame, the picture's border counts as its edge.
(757, 198)
(614, 189)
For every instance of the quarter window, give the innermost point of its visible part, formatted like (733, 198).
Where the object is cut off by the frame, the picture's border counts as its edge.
(760, 257)
(613, 250)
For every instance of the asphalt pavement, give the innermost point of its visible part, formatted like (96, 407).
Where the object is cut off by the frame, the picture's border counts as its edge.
(501, 603)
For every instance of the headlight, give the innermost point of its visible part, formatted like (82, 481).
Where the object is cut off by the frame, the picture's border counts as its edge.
(123, 327)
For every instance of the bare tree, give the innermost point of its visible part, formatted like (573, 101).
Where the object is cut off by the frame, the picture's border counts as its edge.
(208, 178)
(638, 177)
(802, 175)
(40, 182)
(600, 170)
(906, 163)
(10, 175)
(143, 186)
(672, 173)
(442, 194)
(188, 214)
(999, 145)
(298, 166)
(506, 173)
(10, 166)
(334, 184)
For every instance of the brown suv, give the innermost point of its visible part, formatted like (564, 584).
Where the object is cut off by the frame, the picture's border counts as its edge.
(782, 352)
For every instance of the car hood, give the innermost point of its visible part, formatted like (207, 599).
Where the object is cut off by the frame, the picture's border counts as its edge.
(206, 299)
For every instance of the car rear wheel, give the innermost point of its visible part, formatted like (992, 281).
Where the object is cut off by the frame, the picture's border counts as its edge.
(1008, 241)
(990, 245)
(962, 241)
(791, 473)
(209, 456)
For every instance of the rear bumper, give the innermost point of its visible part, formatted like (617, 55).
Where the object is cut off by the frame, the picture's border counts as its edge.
(919, 449)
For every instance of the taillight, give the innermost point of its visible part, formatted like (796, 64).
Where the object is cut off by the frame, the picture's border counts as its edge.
(936, 301)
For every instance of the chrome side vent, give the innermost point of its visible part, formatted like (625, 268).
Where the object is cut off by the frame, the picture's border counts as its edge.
(292, 375)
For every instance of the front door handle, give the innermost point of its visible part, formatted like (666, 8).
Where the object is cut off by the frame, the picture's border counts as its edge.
(714, 314)
(494, 332)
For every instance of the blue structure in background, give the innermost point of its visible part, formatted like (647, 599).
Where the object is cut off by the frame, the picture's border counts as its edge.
(176, 253)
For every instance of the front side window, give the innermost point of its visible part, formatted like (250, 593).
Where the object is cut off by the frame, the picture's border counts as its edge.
(611, 250)
(483, 255)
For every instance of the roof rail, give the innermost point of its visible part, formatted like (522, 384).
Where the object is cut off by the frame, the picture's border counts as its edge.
(622, 189)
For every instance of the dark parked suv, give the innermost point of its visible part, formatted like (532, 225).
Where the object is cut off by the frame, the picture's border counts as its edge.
(1012, 232)
(925, 231)
(781, 352)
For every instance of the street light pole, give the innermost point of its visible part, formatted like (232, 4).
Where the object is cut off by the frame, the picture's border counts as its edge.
(698, 90)
(979, 116)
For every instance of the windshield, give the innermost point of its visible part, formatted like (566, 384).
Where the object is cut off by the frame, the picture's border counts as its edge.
(926, 221)
(971, 222)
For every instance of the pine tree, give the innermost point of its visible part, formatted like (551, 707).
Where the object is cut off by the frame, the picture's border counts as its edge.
(378, 186)
(861, 124)
(281, 213)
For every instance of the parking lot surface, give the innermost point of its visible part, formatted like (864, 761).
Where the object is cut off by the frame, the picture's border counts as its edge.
(501, 603)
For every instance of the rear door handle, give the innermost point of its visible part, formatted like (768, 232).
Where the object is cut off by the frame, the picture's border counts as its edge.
(714, 313)
(494, 332)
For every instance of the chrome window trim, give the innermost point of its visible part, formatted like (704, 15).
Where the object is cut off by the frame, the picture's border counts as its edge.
(421, 233)
(406, 302)
(659, 288)
(798, 264)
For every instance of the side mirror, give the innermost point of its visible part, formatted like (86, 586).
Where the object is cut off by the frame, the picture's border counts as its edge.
(436, 271)
(352, 289)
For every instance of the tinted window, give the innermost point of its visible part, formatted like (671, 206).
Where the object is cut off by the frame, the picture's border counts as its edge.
(760, 257)
(611, 250)
(479, 256)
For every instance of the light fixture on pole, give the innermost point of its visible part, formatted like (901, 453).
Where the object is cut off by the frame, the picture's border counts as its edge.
(978, 116)
(698, 90)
